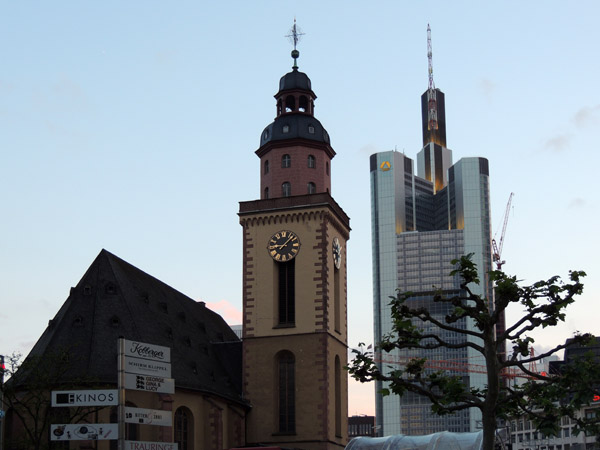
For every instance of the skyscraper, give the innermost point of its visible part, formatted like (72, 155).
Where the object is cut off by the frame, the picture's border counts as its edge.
(421, 220)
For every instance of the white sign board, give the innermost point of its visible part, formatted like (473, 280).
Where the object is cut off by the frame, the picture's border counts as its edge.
(149, 383)
(147, 367)
(140, 445)
(148, 416)
(84, 432)
(85, 398)
(147, 351)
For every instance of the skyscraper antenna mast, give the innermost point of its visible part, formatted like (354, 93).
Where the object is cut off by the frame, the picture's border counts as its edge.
(432, 122)
(429, 58)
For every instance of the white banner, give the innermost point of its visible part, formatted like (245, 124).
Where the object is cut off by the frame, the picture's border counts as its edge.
(147, 351)
(84, 432)
(147, 367)
(140, 445)
(148, 416)
(85, 398)
(149, 383)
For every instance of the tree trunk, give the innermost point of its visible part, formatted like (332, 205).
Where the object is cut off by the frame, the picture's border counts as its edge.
(488, 412)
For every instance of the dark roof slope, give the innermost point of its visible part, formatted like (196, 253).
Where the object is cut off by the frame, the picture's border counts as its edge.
(115, 299)
(293, 126)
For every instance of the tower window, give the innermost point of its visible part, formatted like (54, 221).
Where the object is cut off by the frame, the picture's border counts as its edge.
(303, 105)
(286, 189)
(287, 292)
(312, 162)
(286, 368)
(266, 166)
(183, 428)
(290, 103)
(312, 188)
(286, 161)
(266, 193)
(327, 167)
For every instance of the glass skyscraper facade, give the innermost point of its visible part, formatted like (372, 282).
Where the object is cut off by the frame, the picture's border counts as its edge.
(420, 222)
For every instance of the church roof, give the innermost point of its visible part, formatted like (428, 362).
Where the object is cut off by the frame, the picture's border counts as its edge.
(294, 126)
(115, 299)
(295, 80)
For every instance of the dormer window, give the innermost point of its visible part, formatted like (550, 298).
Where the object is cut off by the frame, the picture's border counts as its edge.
(311, 129)
(286, 128)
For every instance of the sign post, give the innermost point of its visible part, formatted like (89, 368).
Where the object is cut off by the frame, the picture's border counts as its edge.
(144, 367)
(121, 386)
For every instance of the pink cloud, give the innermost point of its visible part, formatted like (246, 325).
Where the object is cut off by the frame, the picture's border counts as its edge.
(227, 310)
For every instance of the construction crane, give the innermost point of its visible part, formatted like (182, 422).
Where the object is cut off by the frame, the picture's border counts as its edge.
(497, 248)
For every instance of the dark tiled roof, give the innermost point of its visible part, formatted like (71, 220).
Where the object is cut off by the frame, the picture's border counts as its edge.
(294, 126)
(115, 299)
(295, 80)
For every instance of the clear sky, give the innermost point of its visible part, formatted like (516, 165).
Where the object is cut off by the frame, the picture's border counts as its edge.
(132, 126)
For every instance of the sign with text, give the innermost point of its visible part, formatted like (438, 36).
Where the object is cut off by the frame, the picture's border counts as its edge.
(148, 416)
(141, 445)
(147, 351)
(106, 397)
(149, 383)
(147, 367)
(84, 432)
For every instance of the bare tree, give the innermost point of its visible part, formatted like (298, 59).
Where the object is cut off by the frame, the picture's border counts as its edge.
(27, 395)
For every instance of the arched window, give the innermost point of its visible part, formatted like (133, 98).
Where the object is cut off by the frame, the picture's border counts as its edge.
(286, 161)
(184, 429)
(266, 169)
(312, 188)
(290, 103)
(312, 162)
(286, 368)
(303, 104)
(266, 193)
(286, 189)
(279, 106)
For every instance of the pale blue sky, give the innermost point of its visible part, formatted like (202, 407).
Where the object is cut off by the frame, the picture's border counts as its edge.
(132, 126)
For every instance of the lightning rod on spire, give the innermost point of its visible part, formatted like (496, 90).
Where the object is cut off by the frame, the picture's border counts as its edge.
(294, 36)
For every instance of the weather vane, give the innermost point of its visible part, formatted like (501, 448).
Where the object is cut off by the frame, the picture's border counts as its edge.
(294, 37)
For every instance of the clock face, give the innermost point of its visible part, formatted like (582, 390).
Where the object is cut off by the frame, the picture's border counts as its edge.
(283, 246)
(337, 253)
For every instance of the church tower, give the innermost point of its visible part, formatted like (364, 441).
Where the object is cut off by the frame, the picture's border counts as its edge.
(294, 282)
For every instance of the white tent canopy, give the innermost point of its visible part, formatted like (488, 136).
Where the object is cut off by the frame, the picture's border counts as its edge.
(437, 441)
